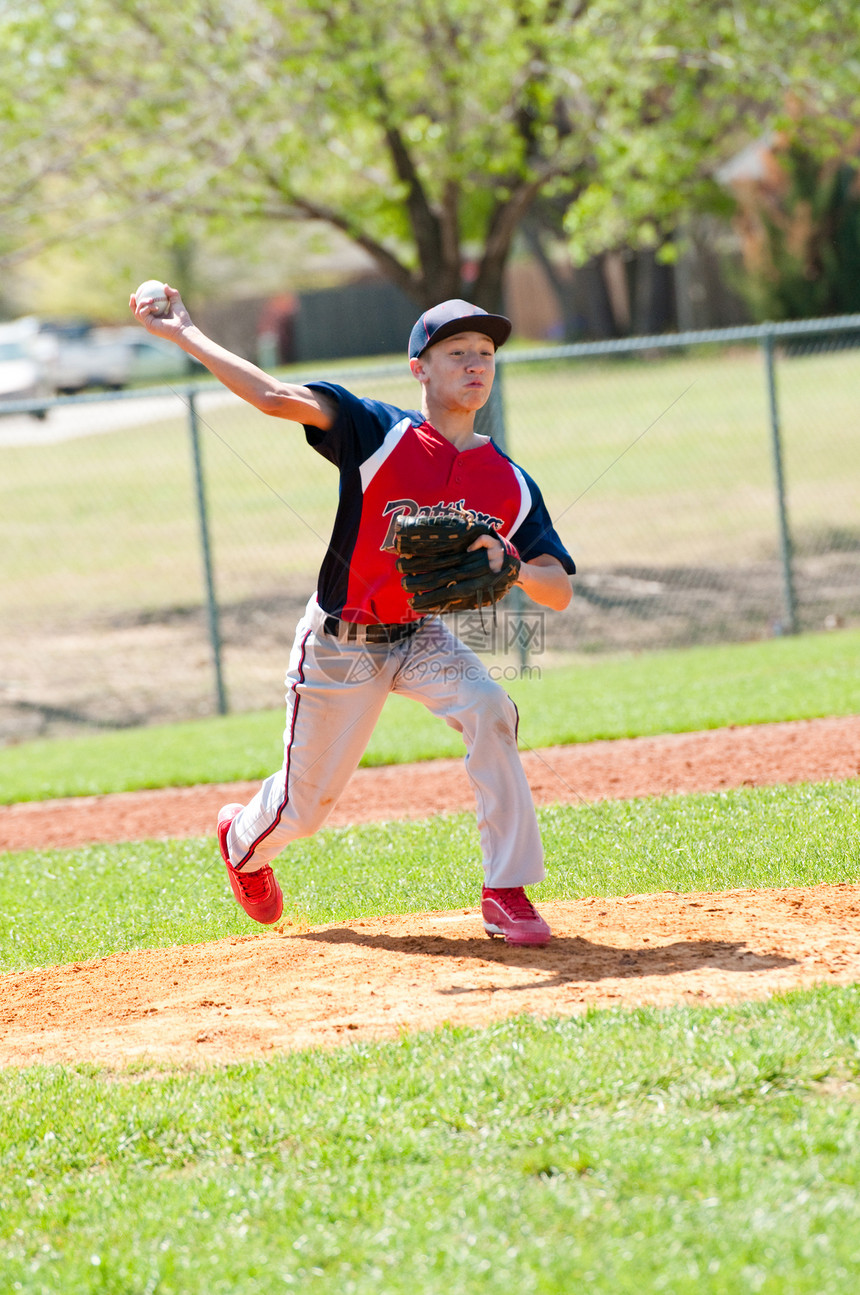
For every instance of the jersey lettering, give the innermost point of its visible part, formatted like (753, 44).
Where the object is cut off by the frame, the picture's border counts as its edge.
(409, 508)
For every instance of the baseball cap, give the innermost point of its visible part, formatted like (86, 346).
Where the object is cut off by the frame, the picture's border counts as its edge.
(456, 317)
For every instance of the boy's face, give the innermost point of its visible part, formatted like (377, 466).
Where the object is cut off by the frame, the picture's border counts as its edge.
(457, 373)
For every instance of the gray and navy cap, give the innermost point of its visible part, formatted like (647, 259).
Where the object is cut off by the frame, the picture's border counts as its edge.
(456, 317)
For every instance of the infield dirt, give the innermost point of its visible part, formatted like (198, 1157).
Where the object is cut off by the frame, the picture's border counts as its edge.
(292, 987)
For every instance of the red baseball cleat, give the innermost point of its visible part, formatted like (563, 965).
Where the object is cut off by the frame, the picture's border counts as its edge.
(257, 892)
(510, 912)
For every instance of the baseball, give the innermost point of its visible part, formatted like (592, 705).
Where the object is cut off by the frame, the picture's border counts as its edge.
(153, 288)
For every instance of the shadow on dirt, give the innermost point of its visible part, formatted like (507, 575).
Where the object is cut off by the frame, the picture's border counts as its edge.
(569, 958)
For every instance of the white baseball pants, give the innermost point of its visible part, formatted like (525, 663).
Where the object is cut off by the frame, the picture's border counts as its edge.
(335, 694)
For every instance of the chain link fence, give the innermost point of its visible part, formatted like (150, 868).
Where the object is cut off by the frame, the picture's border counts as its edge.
(159, 545)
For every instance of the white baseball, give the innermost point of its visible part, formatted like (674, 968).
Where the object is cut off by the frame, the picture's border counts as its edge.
(153, 288)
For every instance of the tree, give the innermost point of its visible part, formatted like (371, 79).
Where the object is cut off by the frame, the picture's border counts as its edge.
(52, 133)
(427, 132)
(800, 233)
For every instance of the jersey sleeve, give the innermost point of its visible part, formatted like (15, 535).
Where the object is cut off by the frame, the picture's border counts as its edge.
(536, 534)
(359, 427)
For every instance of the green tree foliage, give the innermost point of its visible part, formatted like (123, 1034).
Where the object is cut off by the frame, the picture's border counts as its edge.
(42, 139)
(426, 132)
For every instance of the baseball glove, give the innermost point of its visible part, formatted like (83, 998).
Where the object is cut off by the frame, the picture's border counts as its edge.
(437, 571)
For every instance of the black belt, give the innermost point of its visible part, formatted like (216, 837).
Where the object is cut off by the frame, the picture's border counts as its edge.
(356, 633)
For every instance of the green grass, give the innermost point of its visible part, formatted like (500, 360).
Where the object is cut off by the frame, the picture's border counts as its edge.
(666, 459)
(692, 1151)
(688, 1151)
(699, 1152)
(109, 897)
(596, 697)
(687, 440)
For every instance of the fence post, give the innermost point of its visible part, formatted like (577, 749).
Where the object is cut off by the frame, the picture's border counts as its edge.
(785, 548)
(205, 548)
(491, 422)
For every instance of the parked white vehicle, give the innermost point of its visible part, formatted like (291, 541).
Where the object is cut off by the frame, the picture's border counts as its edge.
(22, 369)
(155, 360)
(113, 358)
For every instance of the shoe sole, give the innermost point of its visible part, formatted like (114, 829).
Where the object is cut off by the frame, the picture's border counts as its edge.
(537, 938)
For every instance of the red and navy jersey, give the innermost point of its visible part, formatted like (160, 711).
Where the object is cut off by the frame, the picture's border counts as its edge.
(392, 462)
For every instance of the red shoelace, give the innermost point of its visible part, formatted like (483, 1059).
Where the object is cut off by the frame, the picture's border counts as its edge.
(254, 885)
(515, 902)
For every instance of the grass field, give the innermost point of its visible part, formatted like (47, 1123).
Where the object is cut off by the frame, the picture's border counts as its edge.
(689, 1151)
(667, 459)
(801, 677)
(679, 1150)
(103, 898)
(686, 1151)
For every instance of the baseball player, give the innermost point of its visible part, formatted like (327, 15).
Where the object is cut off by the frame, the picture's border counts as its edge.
(359, 638)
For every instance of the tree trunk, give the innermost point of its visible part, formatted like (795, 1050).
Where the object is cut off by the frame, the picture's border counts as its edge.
(653, 295)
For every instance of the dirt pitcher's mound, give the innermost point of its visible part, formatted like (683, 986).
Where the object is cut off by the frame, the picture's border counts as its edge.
(372, 979)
